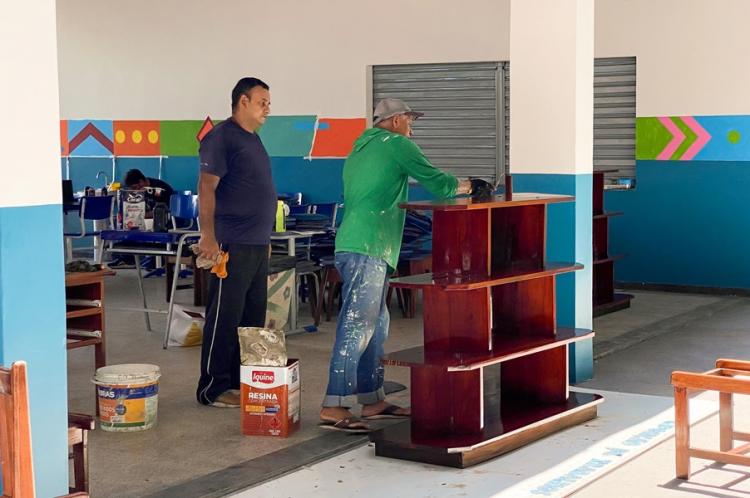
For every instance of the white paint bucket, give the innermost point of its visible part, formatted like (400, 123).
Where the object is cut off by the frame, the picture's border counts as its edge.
(128, 396)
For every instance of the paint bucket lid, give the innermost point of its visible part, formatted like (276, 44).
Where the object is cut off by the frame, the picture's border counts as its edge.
(128, 373)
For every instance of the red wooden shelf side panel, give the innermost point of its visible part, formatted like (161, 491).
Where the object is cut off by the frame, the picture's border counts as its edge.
(603, 282)
(600, 237)
(524, 309)
(457, 321)
(445, 403)
(541, 377)
(461, 242)
(518, 237)
(598, 200)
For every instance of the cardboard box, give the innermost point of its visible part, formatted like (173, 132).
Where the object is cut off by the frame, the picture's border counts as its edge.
(270, 399)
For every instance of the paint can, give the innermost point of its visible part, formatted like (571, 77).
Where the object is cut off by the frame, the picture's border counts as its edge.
(128, 396)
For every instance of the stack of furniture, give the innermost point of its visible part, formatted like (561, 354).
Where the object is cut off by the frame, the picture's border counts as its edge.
(605, 300)
(493, 372)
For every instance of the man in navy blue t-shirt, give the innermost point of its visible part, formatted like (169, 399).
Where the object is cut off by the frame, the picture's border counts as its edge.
(237, 200)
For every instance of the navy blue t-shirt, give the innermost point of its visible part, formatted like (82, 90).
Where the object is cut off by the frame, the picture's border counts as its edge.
(246, 196)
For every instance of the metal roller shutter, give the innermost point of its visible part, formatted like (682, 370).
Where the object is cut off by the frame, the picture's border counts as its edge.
(614, 116)
(463, 104)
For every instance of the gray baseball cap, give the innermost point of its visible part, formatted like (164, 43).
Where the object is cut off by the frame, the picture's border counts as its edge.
(387, 108)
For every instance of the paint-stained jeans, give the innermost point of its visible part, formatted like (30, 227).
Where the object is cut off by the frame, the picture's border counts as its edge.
(360, 333)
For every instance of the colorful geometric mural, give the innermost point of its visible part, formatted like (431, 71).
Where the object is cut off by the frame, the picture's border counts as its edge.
(283, 136)
(90, 137)
(136, 138)
(64, 146)
(700, 138)
(288, 136)
(335, 137)
(208, 125)
(178, 138)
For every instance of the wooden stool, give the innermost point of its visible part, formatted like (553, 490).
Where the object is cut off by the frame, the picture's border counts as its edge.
(724, 380)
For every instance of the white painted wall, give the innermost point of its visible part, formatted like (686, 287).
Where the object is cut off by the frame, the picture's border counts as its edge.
(551, 119)
(178, 59)
(692, 54)
(29, 124)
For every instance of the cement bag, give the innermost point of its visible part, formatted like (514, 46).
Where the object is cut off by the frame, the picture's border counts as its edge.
(187, 326)
(262, 347)
(280, 288)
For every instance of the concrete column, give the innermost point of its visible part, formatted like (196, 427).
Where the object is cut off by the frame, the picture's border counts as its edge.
(551, 146)
(32, 290)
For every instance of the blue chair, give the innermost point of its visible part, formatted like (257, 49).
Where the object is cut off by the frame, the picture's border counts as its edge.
(291, 198)
(299, 209)
(330, 210)
(184, 207)
(98, 211)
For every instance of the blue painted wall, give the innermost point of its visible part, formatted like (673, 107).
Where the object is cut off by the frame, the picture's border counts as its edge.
(569, 227)
(32, 279)
(685, 223)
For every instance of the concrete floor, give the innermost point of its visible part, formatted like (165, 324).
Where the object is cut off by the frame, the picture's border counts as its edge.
(197, 451)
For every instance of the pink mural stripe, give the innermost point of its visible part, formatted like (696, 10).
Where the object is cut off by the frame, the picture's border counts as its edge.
(700, 142)
(677, 138)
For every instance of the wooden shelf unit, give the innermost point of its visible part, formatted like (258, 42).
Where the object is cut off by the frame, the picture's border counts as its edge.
(604, 298)
(86, 286)
(493, 372)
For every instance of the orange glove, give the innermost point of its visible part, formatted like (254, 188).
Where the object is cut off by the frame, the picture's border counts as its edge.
(220, 268)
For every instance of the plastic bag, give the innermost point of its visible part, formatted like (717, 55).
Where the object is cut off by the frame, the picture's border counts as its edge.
(262, 347)
(187, 326)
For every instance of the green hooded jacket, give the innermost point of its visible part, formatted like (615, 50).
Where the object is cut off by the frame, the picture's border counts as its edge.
(376, 181)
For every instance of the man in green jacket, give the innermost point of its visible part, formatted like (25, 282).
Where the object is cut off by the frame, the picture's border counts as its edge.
(376, 176)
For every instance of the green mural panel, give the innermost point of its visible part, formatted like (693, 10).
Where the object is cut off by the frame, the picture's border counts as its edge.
(288, 136)
(178, 138)
(650, 138)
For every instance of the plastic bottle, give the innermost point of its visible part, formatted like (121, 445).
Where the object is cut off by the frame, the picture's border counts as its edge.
(160, 217)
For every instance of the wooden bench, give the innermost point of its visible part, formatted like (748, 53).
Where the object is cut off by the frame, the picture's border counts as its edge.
(730, 377)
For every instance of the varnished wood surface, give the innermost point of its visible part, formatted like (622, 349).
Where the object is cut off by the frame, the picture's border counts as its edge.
(461, 242)
(463, 203)
(457, 321)
(469, 281)
(618, 302)
(446, 402)
(524, 308)
(503, 350)
(518, 236)
(15, 433)
(82, 278)
(542, 377)
(608, 214)
(515, 417)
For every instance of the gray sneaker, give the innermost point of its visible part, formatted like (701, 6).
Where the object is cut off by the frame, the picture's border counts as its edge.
(227, 399)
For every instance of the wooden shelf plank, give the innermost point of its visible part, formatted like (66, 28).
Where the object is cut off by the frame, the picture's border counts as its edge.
(467, 282)
(619, 302)
(466, 203)
(78, 311)
(505, 349)
(608, 214)
(609, 259)
(82, 343)
(516, 415)
(73, 279)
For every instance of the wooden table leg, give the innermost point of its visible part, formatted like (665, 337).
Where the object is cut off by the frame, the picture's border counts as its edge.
(726, 422)
(682, 433)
